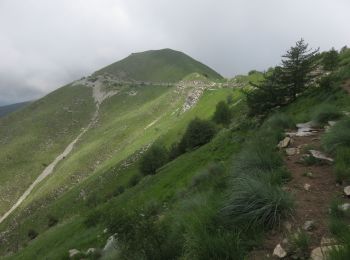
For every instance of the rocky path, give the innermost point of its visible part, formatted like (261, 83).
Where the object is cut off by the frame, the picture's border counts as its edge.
(313, 187)
(99, 96)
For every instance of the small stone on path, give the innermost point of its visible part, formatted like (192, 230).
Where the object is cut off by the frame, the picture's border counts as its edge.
(279, 251)
(307, 186)
(73, 252)
(309, 225)
(284, 143)
(347, 190)
(344, 207)
(292, 151)
(320, 155)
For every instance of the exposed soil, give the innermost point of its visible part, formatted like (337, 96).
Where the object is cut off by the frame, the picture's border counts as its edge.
(312, 204)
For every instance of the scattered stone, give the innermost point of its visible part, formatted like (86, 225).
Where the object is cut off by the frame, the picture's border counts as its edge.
(279, 251)
(347, 190)
(332, 123)
(309, 174)
(292, 151)
(111, 243)
(105, 231)
(73, 252)
(307, 186)
(320, 155)
(284, 143)
(344, 207)
(320, 253)
(309, 225)
(90, 251)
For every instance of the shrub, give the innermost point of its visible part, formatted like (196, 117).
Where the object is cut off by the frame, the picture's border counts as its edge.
(327, 82)
(338, 136)
(93, 218)
(330, 59)
(324, 113)
(213, 174)
(222, 114)
(32, 234)
(279, 121)
(342, 164)
(155, 157)
(52, 221)
(229, 99)
(256, 202)
(119, 190)
(198, 132)
(134, 180)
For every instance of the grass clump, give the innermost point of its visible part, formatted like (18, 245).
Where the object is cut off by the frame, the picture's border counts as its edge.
(324, 113)
(300, 244)
(342, 164)
(338, 136)
(279, 120)
(256, 202)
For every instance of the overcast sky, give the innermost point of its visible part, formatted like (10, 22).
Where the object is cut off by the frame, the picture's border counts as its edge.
(45, 44)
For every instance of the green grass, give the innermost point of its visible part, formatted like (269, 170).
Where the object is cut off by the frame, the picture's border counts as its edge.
(324, 113)
(338, 136)
(164, 65)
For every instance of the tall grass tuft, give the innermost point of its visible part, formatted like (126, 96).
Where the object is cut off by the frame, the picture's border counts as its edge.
(256, 202)
(338, 136)
(324, 113)
(342, 164)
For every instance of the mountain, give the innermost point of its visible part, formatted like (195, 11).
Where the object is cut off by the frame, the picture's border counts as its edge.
(71, 185)
(164, 65)
(4, 110)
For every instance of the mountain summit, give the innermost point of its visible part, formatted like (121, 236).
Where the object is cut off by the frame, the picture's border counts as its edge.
(163, 65)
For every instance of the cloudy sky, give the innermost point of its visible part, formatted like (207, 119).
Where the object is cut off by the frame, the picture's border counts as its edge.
(45, 44)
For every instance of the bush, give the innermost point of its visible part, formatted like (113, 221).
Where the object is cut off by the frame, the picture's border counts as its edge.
(213, 174)
(52, 221)
(119, 190)
(32, 234)
(154, 158)
(338, 136)
(255, 202)
(198, 133)
(222, 114)
(330, 59)
(279, 121)
(342, 164)
(327, 82)
(134, 180)
(93, 218)
(324, 113)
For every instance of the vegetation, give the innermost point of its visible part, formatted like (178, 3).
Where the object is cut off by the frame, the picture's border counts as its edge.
(330, 60)
(222, 114)
(155, 157)
(339, 136)
(324, 113)
(285, 83)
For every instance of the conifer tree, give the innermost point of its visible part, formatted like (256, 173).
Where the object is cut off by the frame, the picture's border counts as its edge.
(297, 64)
(330, 60)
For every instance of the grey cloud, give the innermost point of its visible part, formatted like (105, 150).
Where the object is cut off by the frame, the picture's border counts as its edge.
(45, 44)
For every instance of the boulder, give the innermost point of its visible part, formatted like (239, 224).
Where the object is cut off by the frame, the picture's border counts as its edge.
(347, 190)
(284, 143)
(279, 251)
(73, 252)
(90, 251)
(309, 225)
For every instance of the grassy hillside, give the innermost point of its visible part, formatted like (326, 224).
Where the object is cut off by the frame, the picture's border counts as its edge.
(33, 136)
(164, 65)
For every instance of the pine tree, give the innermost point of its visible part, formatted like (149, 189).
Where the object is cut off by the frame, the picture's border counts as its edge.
(330, 60)
(297, 64)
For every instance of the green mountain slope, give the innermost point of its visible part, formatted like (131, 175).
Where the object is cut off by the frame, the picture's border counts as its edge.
(164, 65)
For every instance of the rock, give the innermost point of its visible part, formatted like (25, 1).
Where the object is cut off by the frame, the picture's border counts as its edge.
(284, 143)
(279, 251)
(309, 225)
(347, 190)
(309, 174)
(344, 207)
(319, 155)
(105, 231)
(90, 251)
(307, 186)
(73, 252)
(111, 243)
(332, 123)
(320, 253)
(292, 151)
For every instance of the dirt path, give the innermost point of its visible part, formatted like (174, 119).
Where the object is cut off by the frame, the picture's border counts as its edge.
(311, 203)
(99, 96)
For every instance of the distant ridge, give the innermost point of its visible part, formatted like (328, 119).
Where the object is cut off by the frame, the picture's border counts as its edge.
(165, 65)
(5, 110)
